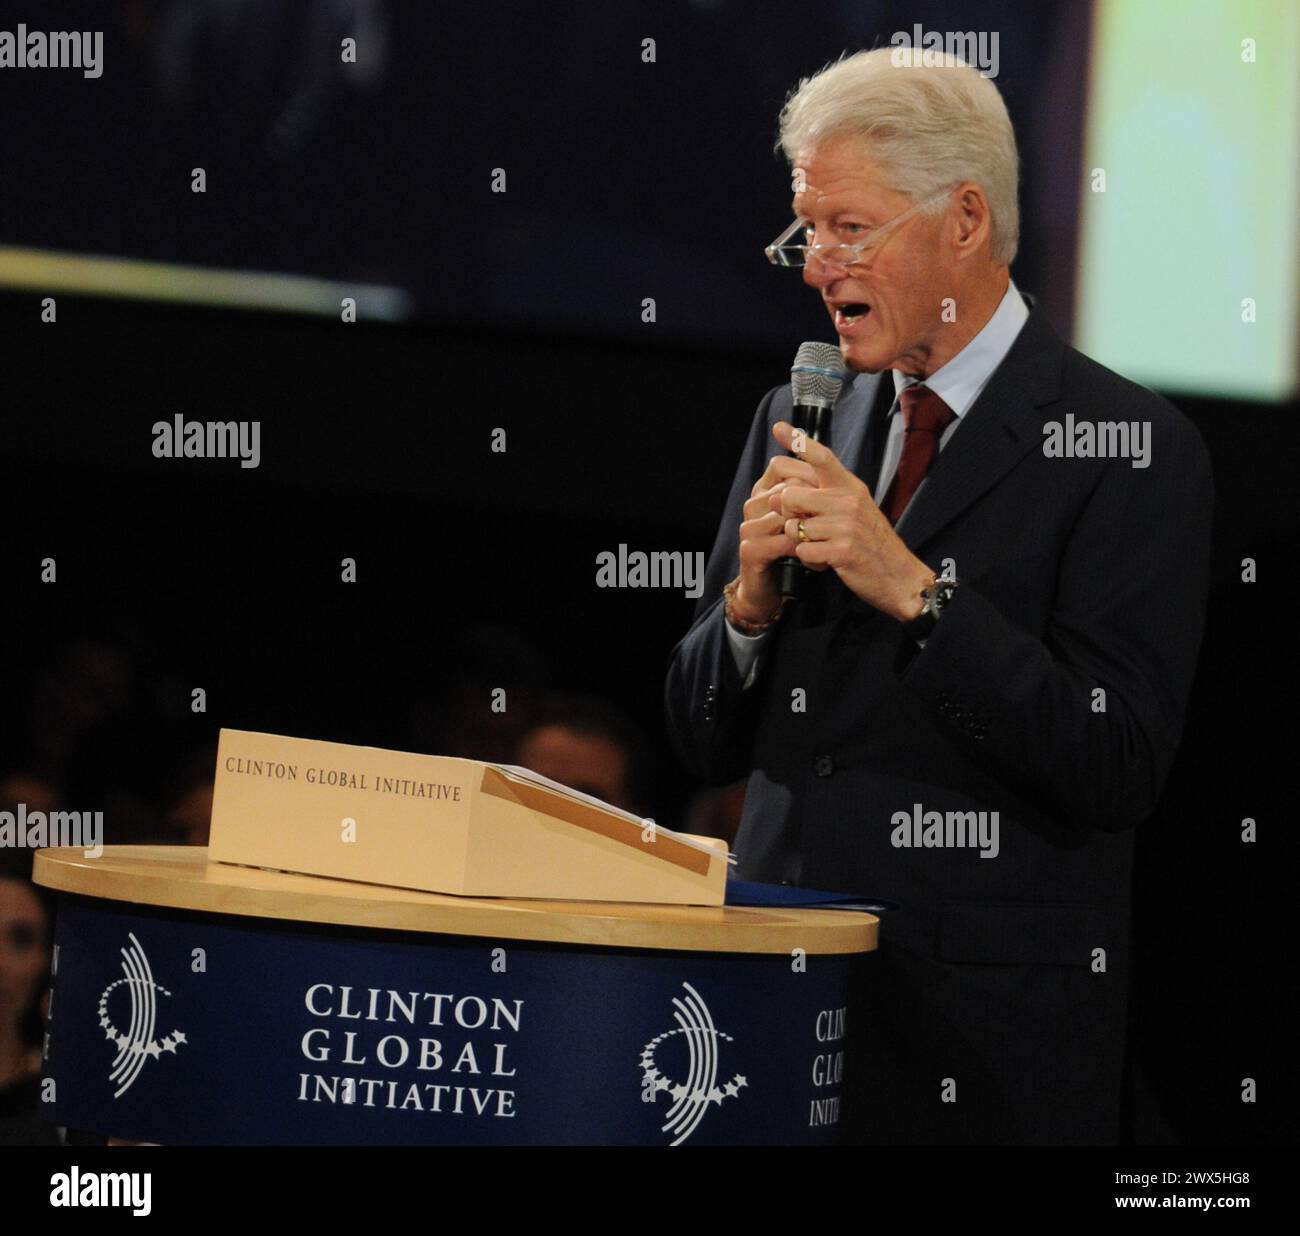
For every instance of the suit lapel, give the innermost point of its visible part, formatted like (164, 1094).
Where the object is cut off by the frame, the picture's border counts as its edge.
(855, 420)
(999, 428)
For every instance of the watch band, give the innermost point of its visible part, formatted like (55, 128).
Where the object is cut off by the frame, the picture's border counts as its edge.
(936, 599)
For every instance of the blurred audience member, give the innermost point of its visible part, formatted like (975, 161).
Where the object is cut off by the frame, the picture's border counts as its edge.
(453, 712)
(85, 691)
(37, 793)
(188, 814)
(590, 746)
(26, 927)
(90, 736)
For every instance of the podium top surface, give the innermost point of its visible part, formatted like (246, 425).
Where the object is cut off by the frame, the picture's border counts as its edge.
(182, 878)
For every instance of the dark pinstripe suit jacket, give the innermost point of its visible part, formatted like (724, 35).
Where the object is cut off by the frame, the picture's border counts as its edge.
(1052, 691)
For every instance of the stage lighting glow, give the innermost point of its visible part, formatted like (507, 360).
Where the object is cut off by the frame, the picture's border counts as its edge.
(1189, 254)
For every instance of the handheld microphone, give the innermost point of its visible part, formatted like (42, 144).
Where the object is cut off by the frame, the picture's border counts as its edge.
(815, 379)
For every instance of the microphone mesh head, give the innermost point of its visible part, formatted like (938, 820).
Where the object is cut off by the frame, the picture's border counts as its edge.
(817, 374)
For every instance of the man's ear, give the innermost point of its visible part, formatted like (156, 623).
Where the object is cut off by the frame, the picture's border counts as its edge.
(973, 219)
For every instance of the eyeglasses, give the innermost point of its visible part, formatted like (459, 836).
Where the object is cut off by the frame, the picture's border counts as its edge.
(781, 252)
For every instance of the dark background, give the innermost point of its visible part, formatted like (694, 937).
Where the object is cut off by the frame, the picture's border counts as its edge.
(477, 569)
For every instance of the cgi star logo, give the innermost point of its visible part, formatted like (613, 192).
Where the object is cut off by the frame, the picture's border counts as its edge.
(690, 1099)
(138, 1044)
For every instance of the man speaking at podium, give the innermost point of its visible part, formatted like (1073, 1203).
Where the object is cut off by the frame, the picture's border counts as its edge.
(980, 688)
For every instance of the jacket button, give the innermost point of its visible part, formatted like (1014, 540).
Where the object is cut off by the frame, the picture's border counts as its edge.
(823, 766)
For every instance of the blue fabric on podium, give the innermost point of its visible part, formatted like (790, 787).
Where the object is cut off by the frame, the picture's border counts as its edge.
(751, 893)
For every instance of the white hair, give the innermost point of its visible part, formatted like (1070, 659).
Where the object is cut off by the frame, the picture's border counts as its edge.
(929, 123)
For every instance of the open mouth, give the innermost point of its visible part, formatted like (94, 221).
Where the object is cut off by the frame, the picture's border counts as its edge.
(847, 314)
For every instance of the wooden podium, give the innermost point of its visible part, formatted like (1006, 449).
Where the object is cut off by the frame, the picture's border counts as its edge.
(200, 1003)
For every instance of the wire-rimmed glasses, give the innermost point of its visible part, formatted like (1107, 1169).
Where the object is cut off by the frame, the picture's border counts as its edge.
(782, 252)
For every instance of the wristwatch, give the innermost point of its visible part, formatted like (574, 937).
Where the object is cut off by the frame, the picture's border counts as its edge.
(937, 598)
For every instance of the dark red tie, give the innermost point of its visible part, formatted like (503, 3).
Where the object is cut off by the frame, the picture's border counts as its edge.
(926, 417)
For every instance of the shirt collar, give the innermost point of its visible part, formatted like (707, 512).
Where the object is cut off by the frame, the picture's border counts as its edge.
(960, 381)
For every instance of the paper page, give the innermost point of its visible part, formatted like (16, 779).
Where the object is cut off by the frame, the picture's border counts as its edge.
(527, 774)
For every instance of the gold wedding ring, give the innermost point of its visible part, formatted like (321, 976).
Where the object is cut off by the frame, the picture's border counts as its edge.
(803, 536)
